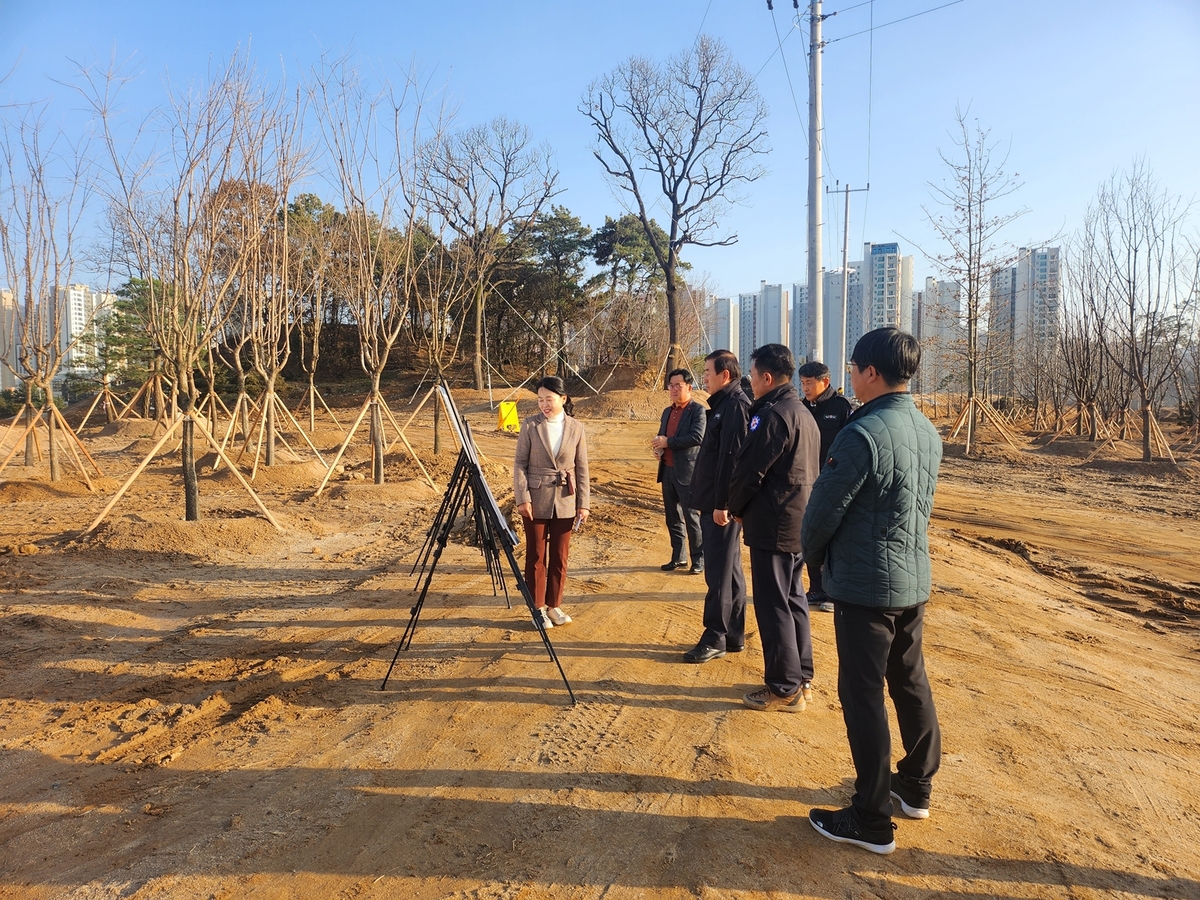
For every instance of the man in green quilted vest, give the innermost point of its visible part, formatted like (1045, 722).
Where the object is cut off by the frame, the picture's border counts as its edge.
(867, 522)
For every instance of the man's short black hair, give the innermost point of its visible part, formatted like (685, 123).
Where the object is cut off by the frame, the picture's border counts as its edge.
(814, 370)
(682, 373)
(895, 354)
(725, 361)
(776, 359)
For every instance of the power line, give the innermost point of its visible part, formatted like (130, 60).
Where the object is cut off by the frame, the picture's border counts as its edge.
(874, 28)
(703, 19)
(778, 49)
(787, 72)
(855, 6)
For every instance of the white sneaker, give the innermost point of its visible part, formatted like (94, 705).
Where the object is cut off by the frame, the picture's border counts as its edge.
(543, 617)
(557, 616)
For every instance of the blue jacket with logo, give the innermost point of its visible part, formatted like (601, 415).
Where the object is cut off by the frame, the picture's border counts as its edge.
(774, 471)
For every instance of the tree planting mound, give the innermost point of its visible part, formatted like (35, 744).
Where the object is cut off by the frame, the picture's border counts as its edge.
(632, 404)
(126, 428)
(159, 533)
(27, 491)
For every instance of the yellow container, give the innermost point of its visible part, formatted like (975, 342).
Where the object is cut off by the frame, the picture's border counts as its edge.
(508, 419)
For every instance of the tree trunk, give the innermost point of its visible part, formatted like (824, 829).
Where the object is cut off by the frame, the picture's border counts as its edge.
(437, 423)
(160, 406)
(1146, 457)
(191, 487)
(51, 442)
(972, 366)
(675, 353)
(377, 439)
(30, 440)
(478, 337)
(562, 347)
(312, 403)
(269, 412)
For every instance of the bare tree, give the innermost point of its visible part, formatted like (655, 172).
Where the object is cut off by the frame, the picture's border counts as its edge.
(487, 184)
(167, 204)
(44, 189)
(373, 139)
(971, 232)
(1134, 232)
(275, 290)
(1080, 341)
(314, 228)
(688, 133)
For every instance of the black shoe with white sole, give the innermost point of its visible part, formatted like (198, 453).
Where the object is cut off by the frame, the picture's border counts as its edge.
(843, 826)
(913, 805)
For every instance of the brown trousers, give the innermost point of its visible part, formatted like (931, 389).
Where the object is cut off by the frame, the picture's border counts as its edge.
(546, 544)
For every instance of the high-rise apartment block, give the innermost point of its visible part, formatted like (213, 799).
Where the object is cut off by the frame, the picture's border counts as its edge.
(724, 326)
(938, 326)
(81, 309)
(8, 341)
(763, 318)
(887, 279)
(800, 324)
(1024, 310)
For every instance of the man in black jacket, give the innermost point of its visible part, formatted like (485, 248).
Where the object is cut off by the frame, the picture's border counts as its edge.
(832, 411)
(772, 478)
(725, 602)
(677, 445)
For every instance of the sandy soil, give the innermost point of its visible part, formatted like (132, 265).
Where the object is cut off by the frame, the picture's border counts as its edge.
(193, 710)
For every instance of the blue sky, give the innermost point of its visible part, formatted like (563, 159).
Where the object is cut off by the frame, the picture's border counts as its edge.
(1074, 89)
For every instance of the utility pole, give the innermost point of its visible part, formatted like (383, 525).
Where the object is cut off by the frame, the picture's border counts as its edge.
(815, 278)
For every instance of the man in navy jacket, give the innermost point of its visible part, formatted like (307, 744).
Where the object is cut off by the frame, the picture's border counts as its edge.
(725, 601)
(768, 491)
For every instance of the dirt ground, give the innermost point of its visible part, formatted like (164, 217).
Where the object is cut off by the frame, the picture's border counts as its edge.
(194, 709)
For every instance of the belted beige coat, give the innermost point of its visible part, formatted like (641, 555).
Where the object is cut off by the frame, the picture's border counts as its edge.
(557, 486)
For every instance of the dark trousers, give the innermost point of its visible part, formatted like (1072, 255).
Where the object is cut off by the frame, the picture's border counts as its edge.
(875, 645)
(681, 521)
(546, 544)
(781, 610)
(725, 602)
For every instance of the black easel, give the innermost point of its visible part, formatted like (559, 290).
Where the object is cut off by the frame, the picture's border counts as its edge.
(492, 533)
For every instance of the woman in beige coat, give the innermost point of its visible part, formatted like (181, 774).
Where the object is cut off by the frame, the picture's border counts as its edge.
(550, 484)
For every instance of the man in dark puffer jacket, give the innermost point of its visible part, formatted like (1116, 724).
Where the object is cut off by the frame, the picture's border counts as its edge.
(772, 477)
(725, 601)
(868, 522)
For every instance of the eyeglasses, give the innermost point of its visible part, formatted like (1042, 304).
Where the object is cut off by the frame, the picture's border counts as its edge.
(850, 367)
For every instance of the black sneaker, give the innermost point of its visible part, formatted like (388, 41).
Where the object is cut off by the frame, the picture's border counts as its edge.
(697, 567)
(913, 805)
(843, 826)
(672, 566)
(702, 653)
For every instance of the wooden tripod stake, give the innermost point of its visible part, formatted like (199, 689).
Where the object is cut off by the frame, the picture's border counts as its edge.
(212, 441)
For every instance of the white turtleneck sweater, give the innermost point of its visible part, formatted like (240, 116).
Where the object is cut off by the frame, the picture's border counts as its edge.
(555, 428)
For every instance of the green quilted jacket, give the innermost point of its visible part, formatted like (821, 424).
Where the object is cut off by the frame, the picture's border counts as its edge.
(867, 520)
